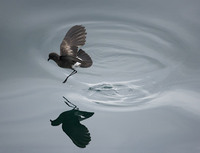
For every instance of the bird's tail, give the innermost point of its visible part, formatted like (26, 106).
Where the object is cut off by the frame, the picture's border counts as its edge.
(86, 59)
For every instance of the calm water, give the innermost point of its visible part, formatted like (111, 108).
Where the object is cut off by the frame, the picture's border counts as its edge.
(144, 84)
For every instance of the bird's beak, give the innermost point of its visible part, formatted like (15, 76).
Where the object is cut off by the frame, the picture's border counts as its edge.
(48, 59)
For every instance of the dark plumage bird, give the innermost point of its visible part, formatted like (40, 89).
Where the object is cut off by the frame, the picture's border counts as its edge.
(70, 57)
(71, 125)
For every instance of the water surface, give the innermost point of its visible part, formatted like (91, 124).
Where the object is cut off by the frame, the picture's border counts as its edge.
(143, 85)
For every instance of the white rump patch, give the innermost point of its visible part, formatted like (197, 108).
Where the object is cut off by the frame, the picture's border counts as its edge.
(77, 64)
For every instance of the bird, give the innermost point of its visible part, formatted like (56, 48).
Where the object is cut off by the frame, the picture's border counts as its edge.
(70, 120)
(70, 57)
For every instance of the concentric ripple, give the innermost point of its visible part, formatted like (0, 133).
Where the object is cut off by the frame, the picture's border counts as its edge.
(119, 94)
(133, 63)
(134, 59)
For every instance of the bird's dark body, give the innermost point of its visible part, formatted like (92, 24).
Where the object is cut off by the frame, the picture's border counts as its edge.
(69, 54)
(66, 117)
(66, 62)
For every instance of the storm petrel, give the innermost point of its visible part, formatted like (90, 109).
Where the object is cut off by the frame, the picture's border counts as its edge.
(70, 57)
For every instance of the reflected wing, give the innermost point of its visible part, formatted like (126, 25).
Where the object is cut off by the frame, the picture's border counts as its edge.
(75, 37)
(78, 133)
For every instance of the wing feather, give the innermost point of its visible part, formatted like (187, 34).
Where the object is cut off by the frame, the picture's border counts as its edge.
(78, 133)
(75, 37)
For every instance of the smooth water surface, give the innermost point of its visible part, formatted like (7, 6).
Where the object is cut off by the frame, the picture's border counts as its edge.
(143, 86)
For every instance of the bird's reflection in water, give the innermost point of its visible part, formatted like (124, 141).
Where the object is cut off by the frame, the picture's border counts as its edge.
(71, 125)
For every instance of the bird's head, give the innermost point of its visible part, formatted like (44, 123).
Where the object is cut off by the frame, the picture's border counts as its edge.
(55, 122)
(53, 56)
(60, 119)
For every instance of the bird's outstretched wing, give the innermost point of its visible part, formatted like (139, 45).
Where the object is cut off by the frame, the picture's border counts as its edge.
(75, 37)
(78, 133)
(86, 59)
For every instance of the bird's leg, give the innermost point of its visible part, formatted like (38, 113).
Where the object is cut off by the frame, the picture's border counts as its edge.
(68, 103)
(74, 72)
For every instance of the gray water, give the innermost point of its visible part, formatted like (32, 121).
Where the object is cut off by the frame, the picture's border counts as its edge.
(143, 86)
